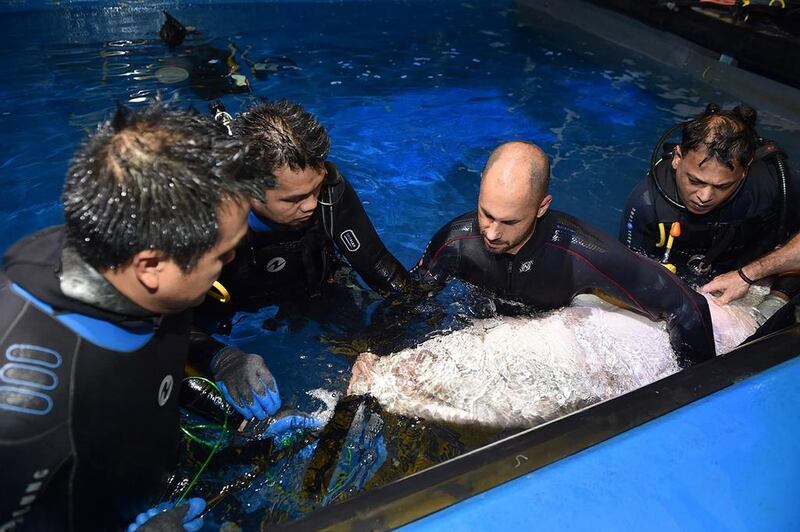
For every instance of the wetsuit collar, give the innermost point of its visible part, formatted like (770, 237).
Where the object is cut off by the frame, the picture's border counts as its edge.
(258, 224)
(35, 264)
(83, 283)
(541, 234)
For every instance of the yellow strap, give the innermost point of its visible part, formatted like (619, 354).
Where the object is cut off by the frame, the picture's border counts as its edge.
(662, 236)
(781, 2)
(219, 292)
(233, 67)
(613, 300)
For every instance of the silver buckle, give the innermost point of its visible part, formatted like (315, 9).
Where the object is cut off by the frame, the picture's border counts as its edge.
(698, 265)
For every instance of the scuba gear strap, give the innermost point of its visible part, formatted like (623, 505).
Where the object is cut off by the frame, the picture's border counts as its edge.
(221, 116)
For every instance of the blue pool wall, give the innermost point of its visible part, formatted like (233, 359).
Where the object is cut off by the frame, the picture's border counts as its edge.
(726, 462)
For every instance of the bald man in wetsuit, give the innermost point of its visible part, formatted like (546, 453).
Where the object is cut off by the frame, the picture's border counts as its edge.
(515, 246)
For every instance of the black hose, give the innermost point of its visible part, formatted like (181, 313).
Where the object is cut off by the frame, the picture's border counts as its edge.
(654, 160)
(783, 181)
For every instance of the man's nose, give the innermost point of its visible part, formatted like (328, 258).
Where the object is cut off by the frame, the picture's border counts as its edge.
(705, 194)
(493, 231)
(309, 204)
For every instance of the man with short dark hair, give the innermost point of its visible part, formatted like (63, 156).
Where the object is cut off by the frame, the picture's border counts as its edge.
(312, 210)
(93, 323)
(728, 189)
(297, 232)
(519, 249)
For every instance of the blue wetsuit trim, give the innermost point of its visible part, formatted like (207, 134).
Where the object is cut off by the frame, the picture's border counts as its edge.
(257, 224)
(99, 332)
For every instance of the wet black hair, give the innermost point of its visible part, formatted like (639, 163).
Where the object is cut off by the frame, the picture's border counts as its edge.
(281, 133)
(727, 136)
(154, 178)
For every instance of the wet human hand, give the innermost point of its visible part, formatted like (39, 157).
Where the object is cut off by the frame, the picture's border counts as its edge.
(246, 383)
(726, 287)
(166, 517)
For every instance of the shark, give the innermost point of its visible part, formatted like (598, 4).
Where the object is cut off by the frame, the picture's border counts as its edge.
(519, 372)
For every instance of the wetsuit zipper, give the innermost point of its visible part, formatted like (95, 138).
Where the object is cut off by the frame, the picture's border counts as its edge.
(509, 268)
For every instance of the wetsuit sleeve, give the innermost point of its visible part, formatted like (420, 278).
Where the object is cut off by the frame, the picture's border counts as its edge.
(793, 214)
(646, 287)
(439, 261)
(34, 443)
(787, 283)
(202, 348)
(638, 217)
(355, 237)
(436, 267)
(28, 470)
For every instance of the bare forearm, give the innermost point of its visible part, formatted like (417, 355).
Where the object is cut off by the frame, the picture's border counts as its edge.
(784, 259)
(734, 285)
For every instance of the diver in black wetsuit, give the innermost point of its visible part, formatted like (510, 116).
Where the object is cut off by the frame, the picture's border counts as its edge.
(95, 327)
(172, 32)
(212, 72)
(729, 190)
(297, 231)
(517, 248)
(300, 228)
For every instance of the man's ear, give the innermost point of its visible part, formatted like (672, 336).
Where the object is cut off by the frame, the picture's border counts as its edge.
(676, 157)
(544, 205)
(747, 167)
(148, 265)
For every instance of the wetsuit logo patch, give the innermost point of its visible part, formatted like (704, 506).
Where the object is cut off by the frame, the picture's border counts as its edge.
(165, 390)
(350, 241)
(276, 264)
(526, 266)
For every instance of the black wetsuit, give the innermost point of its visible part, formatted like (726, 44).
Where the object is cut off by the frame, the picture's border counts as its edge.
(274, 262)
(564, 258)
(746, 227)
(88, 396)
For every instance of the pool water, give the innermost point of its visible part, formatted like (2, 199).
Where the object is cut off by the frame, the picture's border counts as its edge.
(414, 94)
